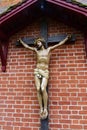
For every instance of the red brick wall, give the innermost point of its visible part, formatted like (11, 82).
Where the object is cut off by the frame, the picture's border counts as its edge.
(19, 109)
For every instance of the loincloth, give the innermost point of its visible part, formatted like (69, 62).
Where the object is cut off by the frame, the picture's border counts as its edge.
(41, 73)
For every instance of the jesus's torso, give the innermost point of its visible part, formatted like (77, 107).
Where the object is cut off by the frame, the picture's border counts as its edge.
(43, 58)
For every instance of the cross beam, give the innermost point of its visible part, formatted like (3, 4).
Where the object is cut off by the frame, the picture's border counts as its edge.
(50, 40)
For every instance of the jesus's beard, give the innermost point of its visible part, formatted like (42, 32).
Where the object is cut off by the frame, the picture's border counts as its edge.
(39, 47)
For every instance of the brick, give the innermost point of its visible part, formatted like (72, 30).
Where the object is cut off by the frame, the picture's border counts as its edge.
(75, 117)
(85, 127)
(55, 126)
(75, 107)
(65, 121)
(83, 112)
(64, 112)
(7, 127)
(16, 128)
(83, 121)
(75, 127)
(64, 103)
(24, 128)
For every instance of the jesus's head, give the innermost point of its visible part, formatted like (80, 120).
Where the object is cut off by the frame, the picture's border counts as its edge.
(39, 43)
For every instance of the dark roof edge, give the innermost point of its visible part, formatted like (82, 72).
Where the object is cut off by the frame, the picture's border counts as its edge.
(70, 6)
(16, 10)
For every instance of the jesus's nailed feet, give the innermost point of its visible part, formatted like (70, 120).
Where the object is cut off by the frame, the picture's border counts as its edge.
(43, 114)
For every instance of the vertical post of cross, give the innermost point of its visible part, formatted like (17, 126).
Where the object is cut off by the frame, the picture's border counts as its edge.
(44, 123)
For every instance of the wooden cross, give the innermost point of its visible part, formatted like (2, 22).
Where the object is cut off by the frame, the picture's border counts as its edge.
(49, 40)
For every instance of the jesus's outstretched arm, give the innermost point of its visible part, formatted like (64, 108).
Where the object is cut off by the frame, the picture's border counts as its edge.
(26, 46)
(60, 43)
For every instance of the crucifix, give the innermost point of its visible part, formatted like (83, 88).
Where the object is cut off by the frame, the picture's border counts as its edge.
(41, 71)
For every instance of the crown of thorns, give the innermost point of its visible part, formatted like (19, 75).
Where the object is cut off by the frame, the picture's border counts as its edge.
(39, 40)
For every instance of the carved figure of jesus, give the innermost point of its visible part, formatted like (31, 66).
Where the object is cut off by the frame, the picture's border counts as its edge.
(41, 71)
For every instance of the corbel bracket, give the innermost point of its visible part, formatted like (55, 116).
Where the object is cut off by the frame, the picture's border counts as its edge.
(3, 54)
(86, 43)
